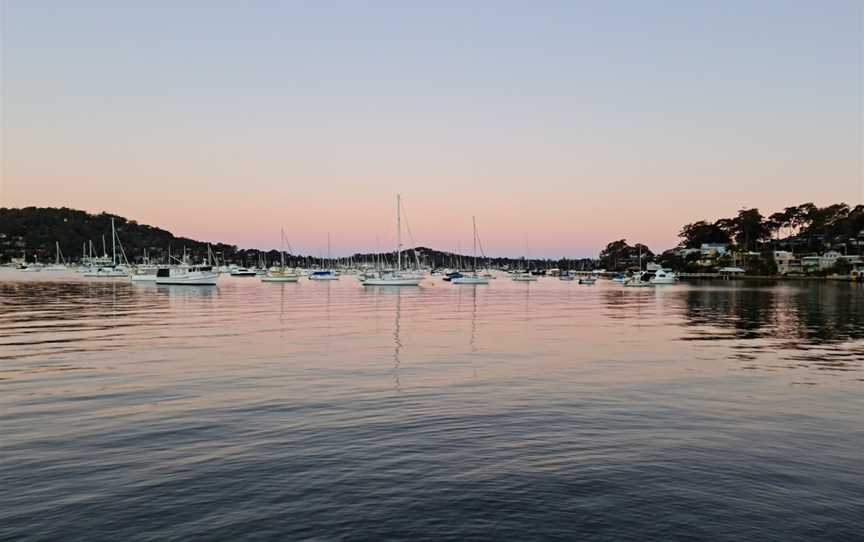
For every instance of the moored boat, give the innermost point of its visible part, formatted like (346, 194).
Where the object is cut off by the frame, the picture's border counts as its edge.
(187, 275)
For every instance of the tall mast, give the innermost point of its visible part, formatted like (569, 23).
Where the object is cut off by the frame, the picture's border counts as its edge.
(398, 233)
(328, 250)
(113, 244)
(282, 246)
(474, 221)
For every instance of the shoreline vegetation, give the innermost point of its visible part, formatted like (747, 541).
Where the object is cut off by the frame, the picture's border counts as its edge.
(799, 242)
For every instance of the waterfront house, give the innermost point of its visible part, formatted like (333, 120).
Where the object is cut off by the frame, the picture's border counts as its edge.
(714, 249)
(786, 261)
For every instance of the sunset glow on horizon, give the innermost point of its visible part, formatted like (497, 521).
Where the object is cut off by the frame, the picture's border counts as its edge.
(561, 126)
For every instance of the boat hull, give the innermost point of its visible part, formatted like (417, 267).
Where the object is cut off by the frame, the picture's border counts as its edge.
(392, 282)
(470, 280)
(142, 278)
(286, 278)
(204, 279)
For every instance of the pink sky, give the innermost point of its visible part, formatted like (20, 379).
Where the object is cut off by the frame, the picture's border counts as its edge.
(566, 128)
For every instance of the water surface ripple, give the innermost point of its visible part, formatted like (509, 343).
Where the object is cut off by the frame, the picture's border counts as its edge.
(513, 411)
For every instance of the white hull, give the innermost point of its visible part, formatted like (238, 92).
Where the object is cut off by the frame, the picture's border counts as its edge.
(525, 278)
(664, 281)
(323, 277)
(106, 274)
(470, 280)
(55, 268)
(142, 278)
(637, 284)
(284, 278)
(392, 282)
(191, 279)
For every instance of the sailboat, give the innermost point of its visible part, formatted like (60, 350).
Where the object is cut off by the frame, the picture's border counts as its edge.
(114, 270)
(398, 277)
(524, 275)
(473, 277)
(282, 274)
(58, 260)
(324, 274)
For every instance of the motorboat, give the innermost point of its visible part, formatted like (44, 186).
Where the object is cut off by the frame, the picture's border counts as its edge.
(524, 277)
(664, 276)
(451, 275)
(566, 276)
(243, 272)
(187, 275)
(587, 280)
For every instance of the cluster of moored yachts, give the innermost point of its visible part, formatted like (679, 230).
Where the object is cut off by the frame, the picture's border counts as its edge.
(207, 275)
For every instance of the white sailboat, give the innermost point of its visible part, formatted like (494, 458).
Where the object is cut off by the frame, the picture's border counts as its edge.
(59, 264)
(282, 274)
(114, 271)
(325, 274)
(398, 277)
(473, 277)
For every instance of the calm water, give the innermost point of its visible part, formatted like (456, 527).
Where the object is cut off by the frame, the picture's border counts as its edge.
(504, 412)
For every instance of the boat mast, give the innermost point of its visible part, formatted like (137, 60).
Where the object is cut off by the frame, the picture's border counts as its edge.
(282, 252)
(398, 233)
(474, 221)
(113, 244)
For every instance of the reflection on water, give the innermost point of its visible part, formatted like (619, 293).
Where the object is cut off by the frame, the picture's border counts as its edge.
(502, 411)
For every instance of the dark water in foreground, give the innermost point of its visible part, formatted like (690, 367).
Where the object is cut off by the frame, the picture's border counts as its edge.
(507, 412)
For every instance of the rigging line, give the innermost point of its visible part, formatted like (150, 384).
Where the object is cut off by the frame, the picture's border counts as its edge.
(410, 235)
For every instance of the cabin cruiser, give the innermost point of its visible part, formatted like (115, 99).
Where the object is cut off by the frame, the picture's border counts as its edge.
(663, 276)
(187, 275)
(243, 272)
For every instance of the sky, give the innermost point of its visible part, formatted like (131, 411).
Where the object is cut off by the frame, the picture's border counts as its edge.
(561, 126)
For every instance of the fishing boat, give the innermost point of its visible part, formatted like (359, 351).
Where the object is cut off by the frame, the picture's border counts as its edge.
(281, 273)
(473, 277)
(397, 277)
(187, 275)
